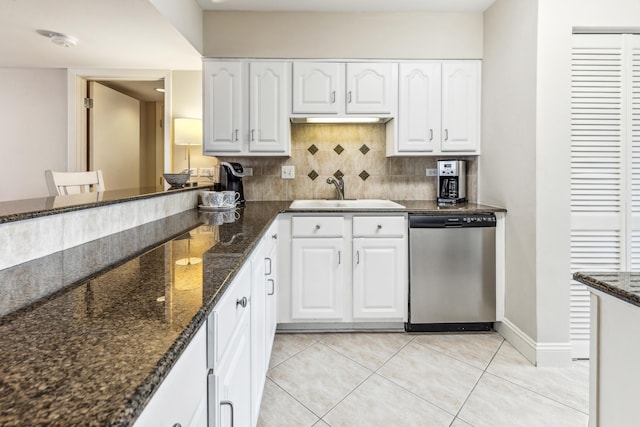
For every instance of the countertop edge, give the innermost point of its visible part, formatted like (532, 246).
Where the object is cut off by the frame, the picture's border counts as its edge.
(615, 291)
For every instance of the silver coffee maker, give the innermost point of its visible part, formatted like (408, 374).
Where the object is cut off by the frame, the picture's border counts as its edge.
(452, 185)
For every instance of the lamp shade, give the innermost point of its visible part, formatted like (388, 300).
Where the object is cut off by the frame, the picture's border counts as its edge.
(187, 131)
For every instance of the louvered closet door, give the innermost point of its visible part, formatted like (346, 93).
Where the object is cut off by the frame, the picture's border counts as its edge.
(597, 169)
(633, 118)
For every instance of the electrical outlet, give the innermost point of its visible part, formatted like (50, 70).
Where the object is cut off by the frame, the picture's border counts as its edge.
(193, 172)
(432, 172)
(248, 171)
(206, 172)
(288, 172)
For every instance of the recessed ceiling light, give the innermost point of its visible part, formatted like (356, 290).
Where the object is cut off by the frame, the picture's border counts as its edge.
(59, 39)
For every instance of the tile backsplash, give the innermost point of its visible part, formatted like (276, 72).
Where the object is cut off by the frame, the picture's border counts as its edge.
(354, 151)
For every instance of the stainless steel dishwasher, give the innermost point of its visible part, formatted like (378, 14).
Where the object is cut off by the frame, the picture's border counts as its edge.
(452, 272)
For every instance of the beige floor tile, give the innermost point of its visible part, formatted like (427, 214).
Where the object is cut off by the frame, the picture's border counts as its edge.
(565, 385)
(499, 403)
(440, 379)
(286, 345)
(318, 377)
(476, 349)
(369, 349)
(379, 402)
(278, 409)
(321, 424)
(459, 423)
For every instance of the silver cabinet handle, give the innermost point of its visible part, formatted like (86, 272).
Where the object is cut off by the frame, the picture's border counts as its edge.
(230, 404)
(253, 134)
(339, 257)
(241, 302)
(236, 134)
(333, 97)
(357, 257)
(430, 134)
(270, 267)
(349, 97)
(273, 287)
(446, 134)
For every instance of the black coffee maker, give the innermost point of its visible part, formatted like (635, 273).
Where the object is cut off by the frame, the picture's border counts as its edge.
(231, 175)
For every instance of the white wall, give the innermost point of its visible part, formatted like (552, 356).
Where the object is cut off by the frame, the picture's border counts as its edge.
(186, 16)
(33, 125)
(343, 35)
(187, 102)
(507, 168)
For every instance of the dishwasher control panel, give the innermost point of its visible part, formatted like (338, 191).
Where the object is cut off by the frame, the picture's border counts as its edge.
(446, 221)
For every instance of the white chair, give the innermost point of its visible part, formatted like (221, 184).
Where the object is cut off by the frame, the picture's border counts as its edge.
(61, 183)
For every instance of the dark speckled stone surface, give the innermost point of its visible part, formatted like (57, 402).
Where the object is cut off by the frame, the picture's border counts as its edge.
(622, 285)
(94, 351)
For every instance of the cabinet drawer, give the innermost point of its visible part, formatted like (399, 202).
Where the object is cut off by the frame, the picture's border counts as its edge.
(321, 226)
(227, 316)
(379, 226)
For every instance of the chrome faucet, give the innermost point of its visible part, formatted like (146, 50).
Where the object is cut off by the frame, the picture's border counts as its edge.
(339, 184)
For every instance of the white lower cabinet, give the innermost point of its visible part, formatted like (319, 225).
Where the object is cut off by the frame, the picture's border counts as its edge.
(181, 399)
(346, 269)
(258, 330)
(272, 284)
(317, 278)
(379, 290)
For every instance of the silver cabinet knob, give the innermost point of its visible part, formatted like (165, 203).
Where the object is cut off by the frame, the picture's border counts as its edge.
(275, 236)
(379, 226)
(317, 226)
(241, 302)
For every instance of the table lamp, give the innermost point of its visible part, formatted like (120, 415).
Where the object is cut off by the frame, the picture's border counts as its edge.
(187, 132)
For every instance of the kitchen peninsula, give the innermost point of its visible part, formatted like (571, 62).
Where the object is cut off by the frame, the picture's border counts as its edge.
(614, 346)
(107, 318)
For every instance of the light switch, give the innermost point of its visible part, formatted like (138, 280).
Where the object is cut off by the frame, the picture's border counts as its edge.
(288, 172)
(193, 172)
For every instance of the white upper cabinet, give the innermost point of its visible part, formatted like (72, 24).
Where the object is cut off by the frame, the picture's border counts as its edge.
(317, 86)
(372, 88)
(439, 109)
(246, 108)
(225, 126)
(338, 88)
(419, 109)
(460, 106)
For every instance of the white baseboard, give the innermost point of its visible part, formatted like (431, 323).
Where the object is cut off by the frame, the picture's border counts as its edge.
(540, 354)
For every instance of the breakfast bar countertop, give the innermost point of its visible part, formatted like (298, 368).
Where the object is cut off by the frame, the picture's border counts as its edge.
(94, 351)
(621, 285)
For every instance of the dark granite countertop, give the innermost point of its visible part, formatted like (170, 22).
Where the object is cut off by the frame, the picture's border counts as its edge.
(622, 285)
(95, 351)
(18, 210)
(121, 313)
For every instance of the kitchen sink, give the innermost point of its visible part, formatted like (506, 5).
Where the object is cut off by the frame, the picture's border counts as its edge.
(324, 204)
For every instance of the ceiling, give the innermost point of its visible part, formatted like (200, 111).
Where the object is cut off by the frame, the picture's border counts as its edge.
(123, 34)
(348, 5)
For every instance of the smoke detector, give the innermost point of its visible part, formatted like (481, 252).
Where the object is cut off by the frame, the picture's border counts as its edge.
(59, 39)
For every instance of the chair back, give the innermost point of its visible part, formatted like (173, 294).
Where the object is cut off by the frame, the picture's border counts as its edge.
(61, 183)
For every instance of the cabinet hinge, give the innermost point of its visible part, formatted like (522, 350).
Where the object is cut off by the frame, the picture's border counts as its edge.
(88, 103)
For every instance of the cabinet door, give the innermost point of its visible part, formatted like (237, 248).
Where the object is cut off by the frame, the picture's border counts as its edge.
(229, 386)
(379, 278)
(460, 106)
(419, 109)
(316, 281)
(318, 87)
(371, 88)
(268, 113)
(272, 290)
(182, 396)
(225, 129)
(258, 331)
